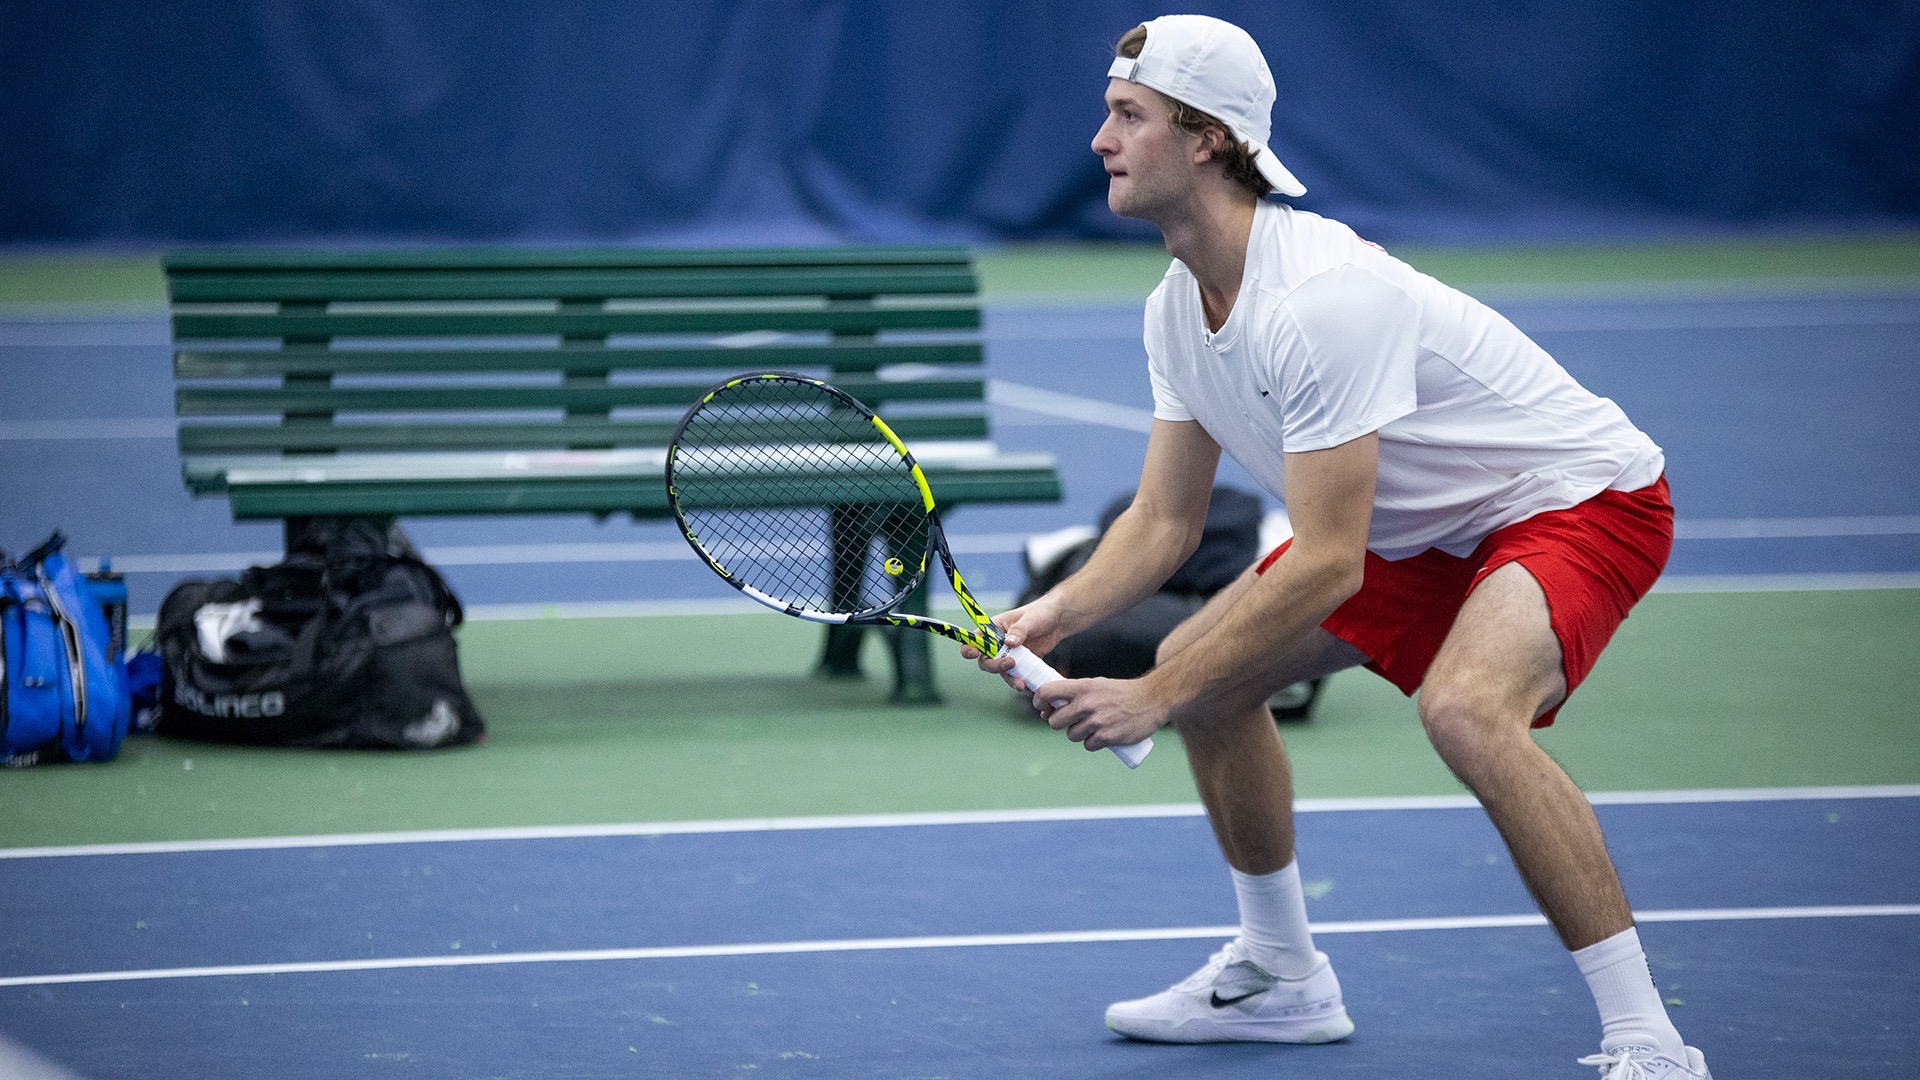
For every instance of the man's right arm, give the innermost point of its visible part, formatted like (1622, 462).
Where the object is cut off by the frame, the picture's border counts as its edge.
(1139, 552)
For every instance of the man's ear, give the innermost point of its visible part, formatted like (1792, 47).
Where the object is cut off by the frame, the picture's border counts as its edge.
(1213, 140)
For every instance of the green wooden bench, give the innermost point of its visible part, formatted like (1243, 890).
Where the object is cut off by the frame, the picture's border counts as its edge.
(473, 382)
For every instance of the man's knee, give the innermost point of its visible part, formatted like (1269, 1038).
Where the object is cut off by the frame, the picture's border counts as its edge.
(1178, 638)
(1456, 722)
(1467, 723)
(1222, 727)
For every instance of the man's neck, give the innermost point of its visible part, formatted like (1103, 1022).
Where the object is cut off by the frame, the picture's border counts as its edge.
(1212, 243)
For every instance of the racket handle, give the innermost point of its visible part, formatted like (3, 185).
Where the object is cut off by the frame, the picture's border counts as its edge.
(1033, 671)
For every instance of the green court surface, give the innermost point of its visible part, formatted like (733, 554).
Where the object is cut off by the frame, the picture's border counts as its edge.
(710, 717)
(93, 281)
(1808, 262)
(599, 721)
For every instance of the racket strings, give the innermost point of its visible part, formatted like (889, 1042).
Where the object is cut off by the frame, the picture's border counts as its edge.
(820, 513)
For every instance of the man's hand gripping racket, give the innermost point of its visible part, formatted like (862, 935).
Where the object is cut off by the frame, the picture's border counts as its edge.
(799, 496)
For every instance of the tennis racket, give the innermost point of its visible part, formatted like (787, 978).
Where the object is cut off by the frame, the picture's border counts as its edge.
(800, 497)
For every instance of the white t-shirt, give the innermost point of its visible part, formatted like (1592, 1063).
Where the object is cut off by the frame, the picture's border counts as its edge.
(1332, 338)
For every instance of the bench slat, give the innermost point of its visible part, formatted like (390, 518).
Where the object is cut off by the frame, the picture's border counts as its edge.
(254, 401)
(573, 284)
(950, 455)
(856, 355)
(312, 438)
(1017, 478)
(186, 263)
(840, 317)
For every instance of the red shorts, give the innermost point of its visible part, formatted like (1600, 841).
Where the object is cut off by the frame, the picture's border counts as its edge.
(1594, 561)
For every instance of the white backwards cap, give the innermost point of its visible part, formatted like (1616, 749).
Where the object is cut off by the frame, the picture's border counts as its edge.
(1217, 68)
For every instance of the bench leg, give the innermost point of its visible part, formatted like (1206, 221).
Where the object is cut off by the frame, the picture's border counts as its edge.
(913, 656)
(912, 649)
(840, 653)
(849, 532)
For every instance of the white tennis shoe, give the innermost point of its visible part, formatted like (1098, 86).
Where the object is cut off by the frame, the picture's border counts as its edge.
(1232, 999)
(1641, 1063)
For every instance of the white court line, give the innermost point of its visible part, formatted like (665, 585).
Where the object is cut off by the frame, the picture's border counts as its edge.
(995, 601)
(1778, 318)
(1696, 529)
(1558, 308)
(968, 941)
(1763, 583)
(88, 429)
(675, 550)
(1779, 528)
(915, 820)
(1068, 406)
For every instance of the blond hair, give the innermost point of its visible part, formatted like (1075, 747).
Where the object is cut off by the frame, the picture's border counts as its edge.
(1235, 157)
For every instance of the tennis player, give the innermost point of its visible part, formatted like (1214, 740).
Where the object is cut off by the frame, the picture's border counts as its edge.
(1469, 522)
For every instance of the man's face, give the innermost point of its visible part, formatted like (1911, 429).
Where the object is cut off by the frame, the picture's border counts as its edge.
(1150, 165)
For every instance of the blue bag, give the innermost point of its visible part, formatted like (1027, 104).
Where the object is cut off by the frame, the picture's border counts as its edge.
(62, 690)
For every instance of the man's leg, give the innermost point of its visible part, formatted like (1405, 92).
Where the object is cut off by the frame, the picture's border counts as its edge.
(1499, 668)
(1268, 984)
(1239, 762)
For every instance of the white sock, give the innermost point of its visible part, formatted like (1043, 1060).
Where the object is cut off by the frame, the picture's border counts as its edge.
(1631, 1012)
(1273, 921)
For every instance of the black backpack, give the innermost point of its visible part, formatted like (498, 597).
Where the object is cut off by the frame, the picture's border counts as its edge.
(1122, 646)
(348, 642)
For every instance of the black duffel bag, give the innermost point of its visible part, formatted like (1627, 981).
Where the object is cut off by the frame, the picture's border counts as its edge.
(348, 642)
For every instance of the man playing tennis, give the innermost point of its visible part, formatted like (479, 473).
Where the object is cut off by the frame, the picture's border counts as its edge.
(1468, 522)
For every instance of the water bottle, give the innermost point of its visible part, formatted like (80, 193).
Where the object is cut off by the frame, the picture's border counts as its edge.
(110, 590)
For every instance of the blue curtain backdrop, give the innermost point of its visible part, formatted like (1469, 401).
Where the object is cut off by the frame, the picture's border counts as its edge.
(140, 124)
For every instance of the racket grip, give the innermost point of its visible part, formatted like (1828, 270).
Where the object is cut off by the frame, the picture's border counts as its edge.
(1035, 672)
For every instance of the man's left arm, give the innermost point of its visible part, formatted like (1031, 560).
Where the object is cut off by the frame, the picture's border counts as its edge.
(1330, 504)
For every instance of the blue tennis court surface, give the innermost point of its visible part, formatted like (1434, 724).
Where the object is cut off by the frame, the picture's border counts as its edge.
(1785, 931)
(1782, 926)
(1787, 417)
